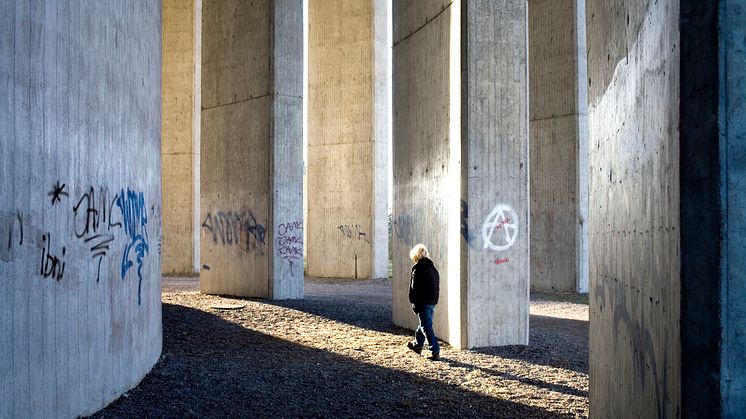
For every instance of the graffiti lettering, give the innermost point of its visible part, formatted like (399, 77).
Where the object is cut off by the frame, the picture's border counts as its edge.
(51, 265)
(404, 227)
(89, 214)
(501, 261)
(234, 228)
(284, 228)
(11, 224)
(353, 232)
(11, 234)
(135, 220)
(57, 192)
(290, 241)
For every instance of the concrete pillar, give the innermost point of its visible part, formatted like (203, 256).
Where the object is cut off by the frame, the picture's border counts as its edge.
(559, 145)
(732, 124)
(182, 21)
(667, 172)
(251, 148)
(461, 130)
(348, 139)
(713, 202)
(635, 292)
(80, 216)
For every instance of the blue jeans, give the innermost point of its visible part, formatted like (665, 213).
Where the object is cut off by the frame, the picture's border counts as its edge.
(425, 329)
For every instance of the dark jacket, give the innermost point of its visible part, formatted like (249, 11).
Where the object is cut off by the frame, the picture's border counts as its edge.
(424, 287)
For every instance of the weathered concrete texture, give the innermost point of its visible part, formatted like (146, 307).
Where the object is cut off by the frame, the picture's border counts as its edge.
(495, 172)
(421, 155)
(558, 146)
(251, 149)
(460, 129)
(180, 136)
(733, 186)
(80, 217)
(633, 69)
(347, 139)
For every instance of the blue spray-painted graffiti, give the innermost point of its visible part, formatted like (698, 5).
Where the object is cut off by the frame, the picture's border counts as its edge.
(135, 219)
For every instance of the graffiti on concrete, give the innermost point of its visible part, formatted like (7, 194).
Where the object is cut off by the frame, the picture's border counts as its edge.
(353, 232)
(465, 223)
(57, 192)
(290, 241)
(11, 226)
(135, 220)
(501, 261)
(94, 226)
(404, 227)
(500, 229)
(90, 216)
(235, 228)
(51, 265)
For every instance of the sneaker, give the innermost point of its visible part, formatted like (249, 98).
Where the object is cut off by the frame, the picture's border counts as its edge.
(434, 357)
(415, 348)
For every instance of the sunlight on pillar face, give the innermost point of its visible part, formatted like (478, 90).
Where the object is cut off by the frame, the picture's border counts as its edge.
(454, 173)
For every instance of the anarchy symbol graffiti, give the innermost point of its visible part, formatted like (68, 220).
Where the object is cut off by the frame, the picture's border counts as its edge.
(500, 228)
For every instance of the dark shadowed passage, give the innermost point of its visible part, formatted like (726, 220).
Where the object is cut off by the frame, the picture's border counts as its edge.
(336, 354)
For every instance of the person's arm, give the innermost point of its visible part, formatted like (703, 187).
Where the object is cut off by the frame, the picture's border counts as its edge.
(412, 292)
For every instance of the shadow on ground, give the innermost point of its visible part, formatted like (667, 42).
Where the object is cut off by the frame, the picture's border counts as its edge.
(553, 341)
(214, 368)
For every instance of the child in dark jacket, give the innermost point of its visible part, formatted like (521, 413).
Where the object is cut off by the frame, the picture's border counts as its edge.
(424, 290)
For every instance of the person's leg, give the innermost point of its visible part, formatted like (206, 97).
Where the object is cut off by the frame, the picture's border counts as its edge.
(419, 333)
(427, 328)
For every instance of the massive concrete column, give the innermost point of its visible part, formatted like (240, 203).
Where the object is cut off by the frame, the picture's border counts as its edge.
(348, 139)
(80, 197)
(713, 164)
(732, 125)
(633, 70)
(461, 164)
(559, 145)
(182, 21)
(667, 227)
(251, 149)
(667, 201)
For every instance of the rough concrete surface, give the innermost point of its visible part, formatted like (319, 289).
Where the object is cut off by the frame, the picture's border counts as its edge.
(733, 47)
(558, 228)
(347, 139)
(495, 173)
(421, 153)
(461, 165)
(80, 203)
(252, 229)
(180, 174)
(633, 72)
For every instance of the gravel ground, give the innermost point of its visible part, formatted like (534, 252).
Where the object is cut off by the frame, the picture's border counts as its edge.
(336, 354)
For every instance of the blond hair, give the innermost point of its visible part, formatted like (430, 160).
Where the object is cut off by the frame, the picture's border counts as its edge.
(418, 252)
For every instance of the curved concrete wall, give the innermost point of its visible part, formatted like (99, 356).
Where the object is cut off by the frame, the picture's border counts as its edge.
(80, 309)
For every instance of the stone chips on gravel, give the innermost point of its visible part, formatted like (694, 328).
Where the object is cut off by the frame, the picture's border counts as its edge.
(337, 354)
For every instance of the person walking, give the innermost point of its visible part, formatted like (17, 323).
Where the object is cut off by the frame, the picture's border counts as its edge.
(424, 290)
